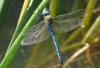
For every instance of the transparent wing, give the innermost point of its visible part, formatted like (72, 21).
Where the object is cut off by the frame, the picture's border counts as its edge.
(76, 14)
(68, 22)
(36, 37)
(33, 29)
(66, 25)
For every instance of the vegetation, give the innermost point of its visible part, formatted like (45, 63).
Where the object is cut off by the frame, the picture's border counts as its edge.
(43, 55)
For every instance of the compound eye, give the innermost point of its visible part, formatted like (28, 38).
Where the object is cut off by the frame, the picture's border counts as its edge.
(45, 12)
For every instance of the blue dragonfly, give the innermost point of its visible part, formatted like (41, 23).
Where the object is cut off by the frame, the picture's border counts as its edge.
(61, 23)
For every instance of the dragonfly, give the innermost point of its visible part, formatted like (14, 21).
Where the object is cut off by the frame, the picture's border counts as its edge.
(61, 23)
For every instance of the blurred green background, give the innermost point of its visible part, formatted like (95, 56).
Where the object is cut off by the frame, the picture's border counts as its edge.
(43, 55)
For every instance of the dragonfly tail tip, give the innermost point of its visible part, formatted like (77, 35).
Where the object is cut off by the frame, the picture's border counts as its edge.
(62, 64)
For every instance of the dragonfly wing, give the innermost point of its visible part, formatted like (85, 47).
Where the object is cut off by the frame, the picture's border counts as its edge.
(33, 29)
(67, 25)
(36, 37)
(76, 14)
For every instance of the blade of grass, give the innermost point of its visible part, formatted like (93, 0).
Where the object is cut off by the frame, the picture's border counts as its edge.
(19, 28)
(93, 31)
(16, 45)
(90, 7)
(4, 7)
(16, 31)
(78, 4)
(24, 17)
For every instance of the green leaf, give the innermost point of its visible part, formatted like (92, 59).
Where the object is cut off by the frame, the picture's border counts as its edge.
(16, 45)
(4, 7)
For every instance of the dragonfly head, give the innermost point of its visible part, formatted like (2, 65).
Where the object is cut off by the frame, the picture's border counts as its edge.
(45, 12)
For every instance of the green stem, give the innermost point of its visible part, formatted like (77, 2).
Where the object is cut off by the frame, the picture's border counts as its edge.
(78, 4)
(93, 31)
(4, 7)
(90, 8)
(16, 45)
(23, 21)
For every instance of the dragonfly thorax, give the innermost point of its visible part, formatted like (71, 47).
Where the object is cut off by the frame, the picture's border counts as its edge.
(48, 19)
